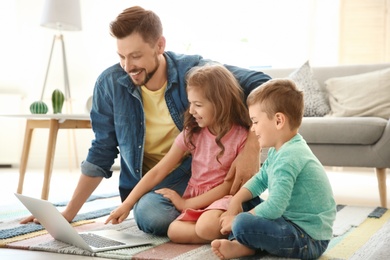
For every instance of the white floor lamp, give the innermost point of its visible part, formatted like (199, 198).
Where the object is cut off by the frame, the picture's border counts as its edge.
(61, 15)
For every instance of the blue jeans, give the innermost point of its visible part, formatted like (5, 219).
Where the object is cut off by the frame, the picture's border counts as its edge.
(153, 213)
(278, 237)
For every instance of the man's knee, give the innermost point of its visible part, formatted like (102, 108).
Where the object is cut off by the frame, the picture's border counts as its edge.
(153, 214)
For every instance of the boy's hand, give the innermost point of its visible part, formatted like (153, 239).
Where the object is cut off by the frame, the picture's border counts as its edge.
(226, 224)
(233, 209)
(174, 197)
(228, 216)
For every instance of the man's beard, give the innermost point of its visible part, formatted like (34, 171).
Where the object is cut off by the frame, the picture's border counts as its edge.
(148, 75)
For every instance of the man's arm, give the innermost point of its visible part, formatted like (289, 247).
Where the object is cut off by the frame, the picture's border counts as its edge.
(246, 164)
(84, 189)
(248, 79)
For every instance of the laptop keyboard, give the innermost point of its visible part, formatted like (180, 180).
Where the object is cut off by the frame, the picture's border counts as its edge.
(99, 241)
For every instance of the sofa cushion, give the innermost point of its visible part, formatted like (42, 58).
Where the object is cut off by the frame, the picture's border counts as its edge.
(314, 98)
(366, 94)
(342, 130)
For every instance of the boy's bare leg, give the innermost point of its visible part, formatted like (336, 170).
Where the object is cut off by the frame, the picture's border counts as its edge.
(183, 232)
(226, 249)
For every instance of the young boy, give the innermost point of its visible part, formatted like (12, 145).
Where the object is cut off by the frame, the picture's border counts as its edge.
(296, 220)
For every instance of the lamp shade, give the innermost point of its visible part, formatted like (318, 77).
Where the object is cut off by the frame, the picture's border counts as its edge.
(62, 15)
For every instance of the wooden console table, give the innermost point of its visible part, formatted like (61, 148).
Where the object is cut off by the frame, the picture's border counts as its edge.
(53, 122)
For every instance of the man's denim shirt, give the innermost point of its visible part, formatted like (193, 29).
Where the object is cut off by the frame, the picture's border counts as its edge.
(118, 119)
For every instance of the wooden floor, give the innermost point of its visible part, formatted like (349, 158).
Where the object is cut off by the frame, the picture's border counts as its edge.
(351, 186)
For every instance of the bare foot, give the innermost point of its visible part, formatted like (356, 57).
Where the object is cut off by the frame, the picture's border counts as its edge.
(226, 249)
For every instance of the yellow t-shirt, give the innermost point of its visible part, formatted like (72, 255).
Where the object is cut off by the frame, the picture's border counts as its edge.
(161, 131)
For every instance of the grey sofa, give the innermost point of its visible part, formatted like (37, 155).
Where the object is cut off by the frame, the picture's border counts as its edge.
(347, 141)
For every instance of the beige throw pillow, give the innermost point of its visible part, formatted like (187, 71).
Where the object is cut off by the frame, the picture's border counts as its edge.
(366, 94)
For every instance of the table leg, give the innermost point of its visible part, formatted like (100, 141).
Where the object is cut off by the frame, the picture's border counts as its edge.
(25, 152)
(53, 131)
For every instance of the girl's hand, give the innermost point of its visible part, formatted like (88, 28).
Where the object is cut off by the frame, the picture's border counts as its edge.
(118, 215)
(174, 197)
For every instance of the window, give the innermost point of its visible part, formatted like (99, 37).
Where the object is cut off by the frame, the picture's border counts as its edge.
(364, 31)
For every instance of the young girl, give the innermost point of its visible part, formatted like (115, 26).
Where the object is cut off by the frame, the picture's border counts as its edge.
(215, 132)
(296, 220)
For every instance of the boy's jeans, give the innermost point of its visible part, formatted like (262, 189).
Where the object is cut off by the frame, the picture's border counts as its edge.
(278, 237)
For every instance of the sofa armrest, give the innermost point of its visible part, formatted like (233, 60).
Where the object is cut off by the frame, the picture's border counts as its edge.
(382, 147)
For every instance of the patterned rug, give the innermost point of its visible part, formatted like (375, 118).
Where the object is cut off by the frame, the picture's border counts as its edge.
(359, 233)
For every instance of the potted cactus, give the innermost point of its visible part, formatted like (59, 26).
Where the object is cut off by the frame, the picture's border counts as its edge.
(57, 99)
(38, 107)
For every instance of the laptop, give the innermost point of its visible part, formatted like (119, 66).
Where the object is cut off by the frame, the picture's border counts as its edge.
(60, 229)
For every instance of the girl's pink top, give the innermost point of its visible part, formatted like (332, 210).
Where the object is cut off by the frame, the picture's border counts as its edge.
(207, 172)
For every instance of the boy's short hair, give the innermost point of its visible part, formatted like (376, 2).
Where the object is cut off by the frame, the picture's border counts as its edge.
(279, 95)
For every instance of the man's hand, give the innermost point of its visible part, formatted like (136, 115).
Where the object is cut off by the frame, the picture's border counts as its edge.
(36, 221)
(29, 219)
(246, 164)
(174, 197)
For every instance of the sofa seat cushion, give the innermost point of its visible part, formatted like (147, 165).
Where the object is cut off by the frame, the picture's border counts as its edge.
(342, 130)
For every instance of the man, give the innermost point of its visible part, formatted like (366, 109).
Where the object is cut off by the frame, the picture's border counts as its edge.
(137, 107)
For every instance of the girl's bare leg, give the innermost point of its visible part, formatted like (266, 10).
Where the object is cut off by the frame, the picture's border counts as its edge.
(226, 249)
(183, 232)
(208, 226)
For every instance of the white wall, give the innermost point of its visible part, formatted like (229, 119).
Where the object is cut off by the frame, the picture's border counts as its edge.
(253, 33)
(249, 33)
